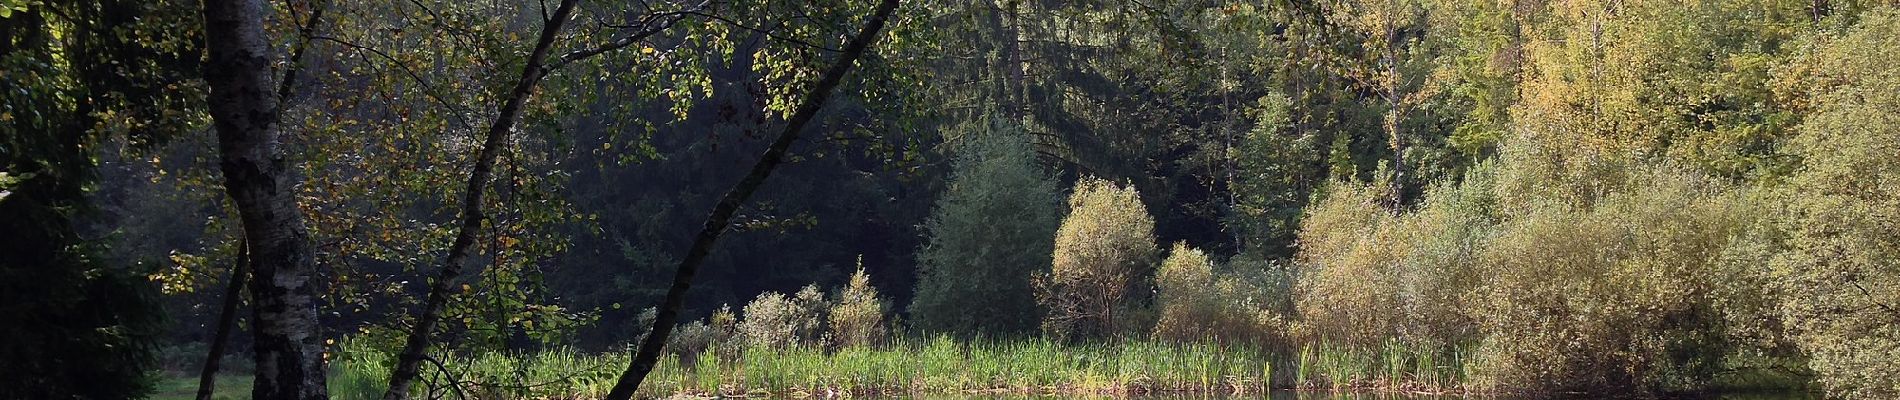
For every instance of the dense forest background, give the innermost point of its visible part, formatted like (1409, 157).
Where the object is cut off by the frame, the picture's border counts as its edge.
(1578, 194)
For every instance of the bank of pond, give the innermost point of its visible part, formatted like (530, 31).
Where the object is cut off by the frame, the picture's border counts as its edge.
(958, 369)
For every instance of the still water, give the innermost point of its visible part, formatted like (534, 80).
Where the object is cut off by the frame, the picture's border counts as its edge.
(1292, 395)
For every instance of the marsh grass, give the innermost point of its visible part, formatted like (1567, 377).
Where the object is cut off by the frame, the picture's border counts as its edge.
(1393, 366)
(934, 366)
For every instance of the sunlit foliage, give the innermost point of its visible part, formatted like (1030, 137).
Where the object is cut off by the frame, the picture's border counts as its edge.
(1104, 246)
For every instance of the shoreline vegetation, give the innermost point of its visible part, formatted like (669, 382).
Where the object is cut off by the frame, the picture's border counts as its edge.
(946, 366)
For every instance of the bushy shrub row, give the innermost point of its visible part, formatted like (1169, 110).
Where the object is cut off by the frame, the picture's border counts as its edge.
(808, 318)
(1617, 282)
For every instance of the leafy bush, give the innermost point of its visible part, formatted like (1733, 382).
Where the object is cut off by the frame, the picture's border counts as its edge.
(1197, 305)
(1348, 250)
(1833, 250)
(1370, 274)
(1617, 294)
(774, 320)
(1105, 243)
(729, 345)
(857, 317)
(690, 340)
(1602, 273)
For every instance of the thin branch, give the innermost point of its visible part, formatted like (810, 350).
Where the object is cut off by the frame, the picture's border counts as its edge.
(428, 89)
(471, 215)
(227, 316)
(767, 32)
(288, 84)
(1872, 299)
(647, 27)
(436, 19)
(454, 383)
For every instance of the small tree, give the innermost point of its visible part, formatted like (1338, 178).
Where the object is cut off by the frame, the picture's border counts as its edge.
(1107, 240)
(857, 317)
(1277, 173)
(988, 234)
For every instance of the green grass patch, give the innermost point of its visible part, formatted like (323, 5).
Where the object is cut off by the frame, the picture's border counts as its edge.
(184, 386)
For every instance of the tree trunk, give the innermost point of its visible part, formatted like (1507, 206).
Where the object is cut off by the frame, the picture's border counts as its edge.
(1396, 140)
(1395, 115)
(668, 313)
(1013, 55)
(227, 317)
(409, 362)
(1002, 80)
(245, 115)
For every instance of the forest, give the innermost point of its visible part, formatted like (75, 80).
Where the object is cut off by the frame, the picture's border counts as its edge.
(594, 199)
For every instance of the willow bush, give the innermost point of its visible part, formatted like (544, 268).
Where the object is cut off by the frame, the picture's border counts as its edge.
(1371, 274)
(1832, 250)
(1196, 304)
(774, 320)
(1563, 271)
(1101, 248)
(1615, 291)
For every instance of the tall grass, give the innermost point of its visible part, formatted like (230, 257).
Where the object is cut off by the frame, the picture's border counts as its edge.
(939, 365)
(1394, 365)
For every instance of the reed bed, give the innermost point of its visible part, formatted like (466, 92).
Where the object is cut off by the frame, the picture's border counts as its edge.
(911, 367)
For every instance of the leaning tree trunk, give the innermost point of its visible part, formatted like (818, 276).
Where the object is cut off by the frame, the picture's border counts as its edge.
(668, 314)
(227, 317)
(416, 347)
(245, 113)
(409, 362)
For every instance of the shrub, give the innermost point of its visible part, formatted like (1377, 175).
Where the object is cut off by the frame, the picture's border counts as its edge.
(690, 340)
(1104, 244)
(1607, 273)
(728, 345)
(991, 231)
(1348, 292)
(857, 317)
(1197, 305)
(775, 321)
(1612, 290)
(1371, 274)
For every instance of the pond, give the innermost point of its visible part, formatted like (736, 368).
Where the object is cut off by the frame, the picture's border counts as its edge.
(1307, 395)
